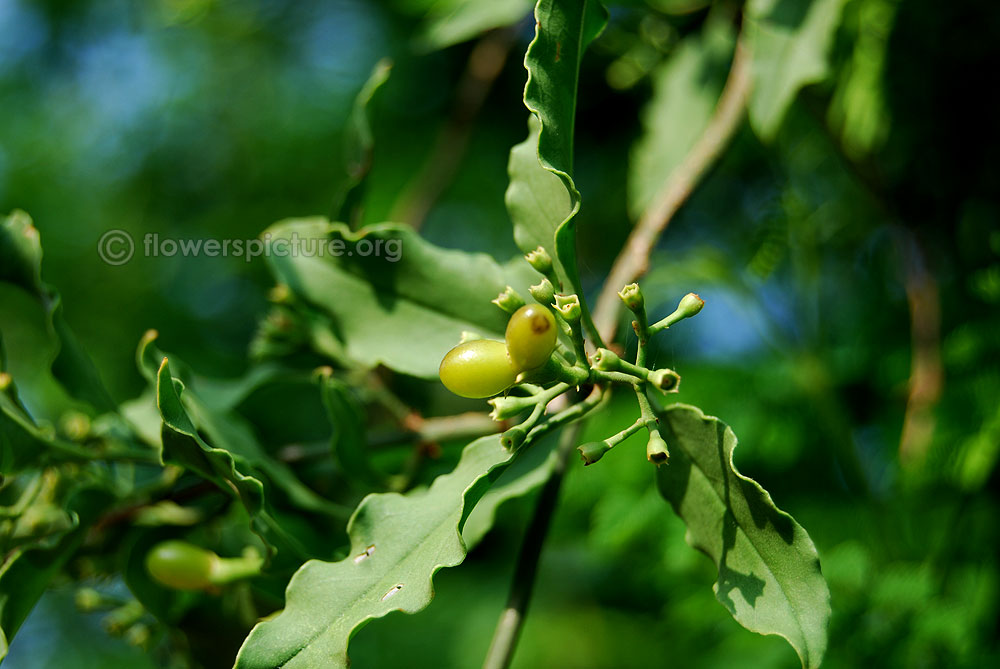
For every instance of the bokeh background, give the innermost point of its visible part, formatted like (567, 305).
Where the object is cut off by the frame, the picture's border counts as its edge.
(850, 266)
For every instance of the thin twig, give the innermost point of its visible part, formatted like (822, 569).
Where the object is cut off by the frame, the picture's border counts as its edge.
(509, 626)
(926, 371)
(633, 260)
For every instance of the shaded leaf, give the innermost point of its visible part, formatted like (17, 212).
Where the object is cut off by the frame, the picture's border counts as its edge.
(686, 88)
(455, 21)
(789, 42)
(358, 141)
(397, 544)
(21, 264)
(229, 431)
(183, 446)
(769, 572)
(348, 441)
(404, 307)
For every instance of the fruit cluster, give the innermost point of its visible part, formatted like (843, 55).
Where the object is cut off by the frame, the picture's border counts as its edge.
(485, 367)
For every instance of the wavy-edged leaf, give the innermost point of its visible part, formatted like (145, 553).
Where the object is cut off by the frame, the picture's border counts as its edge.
(541, 215)
(686, 88)
(183, 446)
(769, 572)
(21, 264)
(397, 544)
(226, 429)
(404, 307)
(528, 473)
(789, 42)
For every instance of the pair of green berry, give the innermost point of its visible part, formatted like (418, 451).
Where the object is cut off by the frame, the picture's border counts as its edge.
(486, 367)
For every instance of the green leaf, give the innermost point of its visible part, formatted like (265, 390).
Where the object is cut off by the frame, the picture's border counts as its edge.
(404, 307)
(358, 141)
(23, 444)
(542, 216)
(21, 264)
(686, 88)
(769, 572)
(183, 446)
(348, 442)
(528, 473)
(454, 21)
(229, 431)
(397, 544)
(789, 42)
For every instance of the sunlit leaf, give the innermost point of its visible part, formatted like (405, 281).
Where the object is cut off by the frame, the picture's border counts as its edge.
(397, 544)
(404, 306)
(528, 473)
(789, 41)
(769, 572)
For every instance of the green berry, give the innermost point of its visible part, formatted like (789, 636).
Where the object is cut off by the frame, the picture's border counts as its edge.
(531, 336)
(479, 368)
(180, 565)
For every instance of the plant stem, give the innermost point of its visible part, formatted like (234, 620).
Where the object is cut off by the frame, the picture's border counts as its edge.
(633, 260)
(512, 618)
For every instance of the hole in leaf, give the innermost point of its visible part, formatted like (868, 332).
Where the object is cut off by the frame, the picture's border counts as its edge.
(392, 591)
(364, 555)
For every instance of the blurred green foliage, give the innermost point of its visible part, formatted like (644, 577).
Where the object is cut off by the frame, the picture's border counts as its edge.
(199, 118)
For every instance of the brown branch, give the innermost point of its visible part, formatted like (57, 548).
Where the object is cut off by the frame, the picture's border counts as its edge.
(485, 63)
(633, 260)
(926, 373)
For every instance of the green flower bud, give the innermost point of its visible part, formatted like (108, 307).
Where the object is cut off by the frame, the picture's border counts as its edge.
(569, 307)
(509, 300)
(508, 407)
(5, 381)
(75, 425)
(666, 380)
(513, 437)
(88, 599)
(632, 297)
(690, 305)
(606, 361)
(656, 449)
(543, 292)
(593, 451)
(540, 260)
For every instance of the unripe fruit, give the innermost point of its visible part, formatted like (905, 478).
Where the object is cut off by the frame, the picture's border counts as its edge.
(531, 336)
(180, 565)
(479, 368)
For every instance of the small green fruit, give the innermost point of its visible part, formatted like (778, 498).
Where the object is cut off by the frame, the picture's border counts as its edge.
(531, 336)
(180, 565)
(479, 368)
